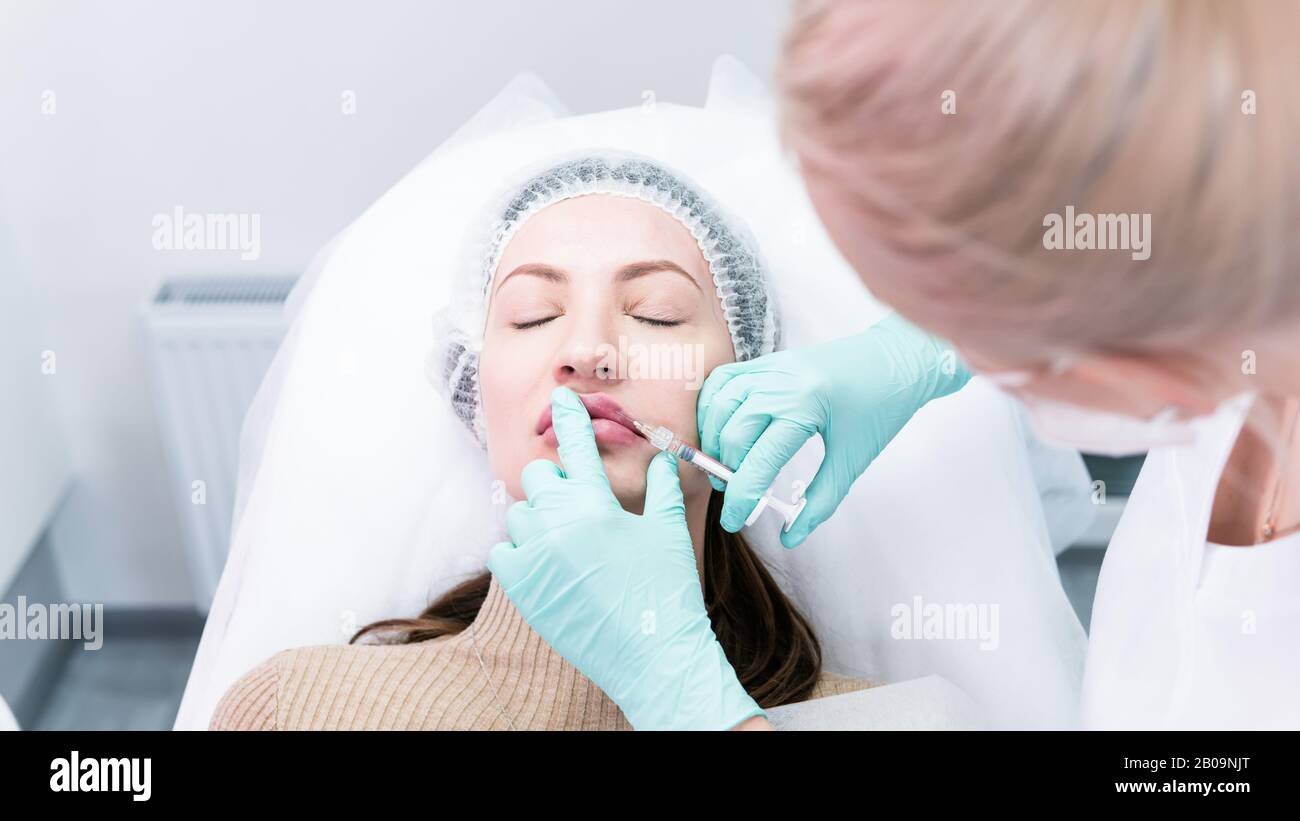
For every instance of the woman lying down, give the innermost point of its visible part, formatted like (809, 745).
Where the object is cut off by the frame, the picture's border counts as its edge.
(597, 255)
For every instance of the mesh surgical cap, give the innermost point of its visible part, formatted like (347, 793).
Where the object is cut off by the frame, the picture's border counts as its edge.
(727, 247)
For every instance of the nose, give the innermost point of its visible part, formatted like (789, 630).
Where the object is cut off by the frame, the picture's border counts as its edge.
(588, 359)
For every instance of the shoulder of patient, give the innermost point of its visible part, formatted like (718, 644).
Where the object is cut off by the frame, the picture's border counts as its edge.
(832, 684)
(254, 696)
(251, 702)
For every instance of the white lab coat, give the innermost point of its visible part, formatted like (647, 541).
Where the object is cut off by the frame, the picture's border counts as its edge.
(1186, 633)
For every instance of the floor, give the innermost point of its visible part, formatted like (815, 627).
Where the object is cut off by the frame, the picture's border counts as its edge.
(136, 683)
(128, 684)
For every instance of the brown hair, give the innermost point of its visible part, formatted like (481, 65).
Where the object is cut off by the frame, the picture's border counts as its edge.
(767, 640)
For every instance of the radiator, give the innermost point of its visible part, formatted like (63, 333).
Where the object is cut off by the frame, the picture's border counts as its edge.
(211, 342)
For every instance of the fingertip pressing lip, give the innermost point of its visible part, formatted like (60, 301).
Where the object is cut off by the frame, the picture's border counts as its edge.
(564, 396)
(598, 405)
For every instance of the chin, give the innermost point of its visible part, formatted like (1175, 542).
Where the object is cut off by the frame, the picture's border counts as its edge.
(626, 472)
(627, 480)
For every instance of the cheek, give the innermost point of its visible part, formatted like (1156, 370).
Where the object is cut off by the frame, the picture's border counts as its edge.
(716, 350)
(675, 398)
(508, 430)
(847, 229)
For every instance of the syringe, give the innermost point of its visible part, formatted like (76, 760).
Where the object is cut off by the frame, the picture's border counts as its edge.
(664, 439)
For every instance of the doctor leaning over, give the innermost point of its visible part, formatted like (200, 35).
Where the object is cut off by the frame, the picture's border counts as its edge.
(1098, 205)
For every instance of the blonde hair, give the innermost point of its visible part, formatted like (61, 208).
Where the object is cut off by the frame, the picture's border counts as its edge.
(1119, 107)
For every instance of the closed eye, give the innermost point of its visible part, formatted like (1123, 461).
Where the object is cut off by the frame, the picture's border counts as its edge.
(533, 323)
(658, 323)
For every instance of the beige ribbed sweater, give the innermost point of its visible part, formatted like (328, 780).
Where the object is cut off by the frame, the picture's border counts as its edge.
(434, 685)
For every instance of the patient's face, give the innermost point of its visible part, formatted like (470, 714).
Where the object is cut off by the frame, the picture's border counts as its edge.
(611, 297)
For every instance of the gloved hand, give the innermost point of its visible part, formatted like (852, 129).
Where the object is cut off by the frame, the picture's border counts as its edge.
(616, 594)
(857, 392)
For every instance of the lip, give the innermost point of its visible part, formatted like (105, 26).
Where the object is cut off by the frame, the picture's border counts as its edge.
(607, 417)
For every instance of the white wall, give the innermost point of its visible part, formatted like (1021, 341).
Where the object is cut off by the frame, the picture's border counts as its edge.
(34, 464)
(236, 107)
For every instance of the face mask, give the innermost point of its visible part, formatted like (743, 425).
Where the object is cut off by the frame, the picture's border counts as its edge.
(1102, 432)
(1095, 431)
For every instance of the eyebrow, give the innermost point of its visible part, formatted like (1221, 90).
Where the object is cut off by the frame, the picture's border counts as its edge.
(639, 269)
(626, 273)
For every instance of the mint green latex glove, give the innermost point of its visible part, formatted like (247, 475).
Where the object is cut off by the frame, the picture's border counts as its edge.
(856, 392)
(616, 594)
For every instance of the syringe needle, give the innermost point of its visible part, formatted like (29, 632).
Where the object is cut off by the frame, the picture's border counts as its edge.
(665, 440)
